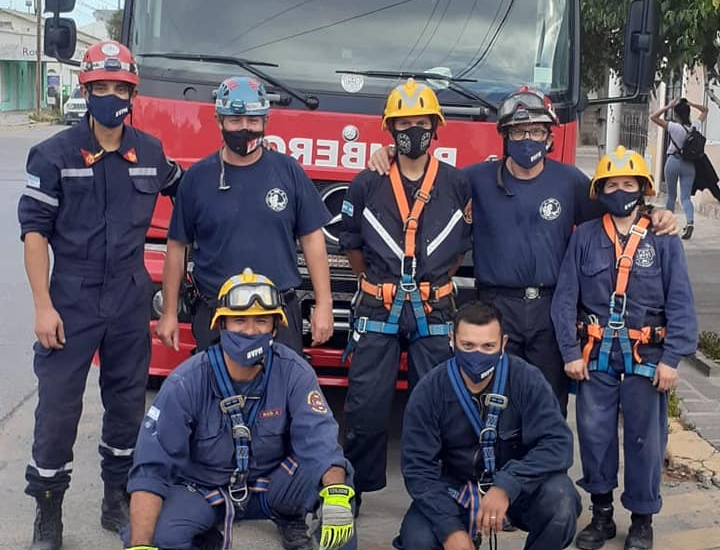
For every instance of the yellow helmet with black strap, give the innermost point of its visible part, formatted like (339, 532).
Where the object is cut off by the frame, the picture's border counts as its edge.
(622, 162)
(412, 99)
(248, 294)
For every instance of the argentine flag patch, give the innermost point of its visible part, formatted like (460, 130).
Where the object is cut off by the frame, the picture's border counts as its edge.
(348, 208)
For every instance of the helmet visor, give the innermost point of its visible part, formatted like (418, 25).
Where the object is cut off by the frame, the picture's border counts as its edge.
(243, 297)
(527, 102)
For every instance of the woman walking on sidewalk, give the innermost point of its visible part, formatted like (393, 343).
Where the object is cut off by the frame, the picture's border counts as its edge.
(677, 168)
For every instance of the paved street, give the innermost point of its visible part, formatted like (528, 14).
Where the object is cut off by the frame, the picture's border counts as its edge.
(689, 520)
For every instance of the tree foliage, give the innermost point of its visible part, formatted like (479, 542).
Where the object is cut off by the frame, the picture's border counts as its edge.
(114, 25)
(688, 29)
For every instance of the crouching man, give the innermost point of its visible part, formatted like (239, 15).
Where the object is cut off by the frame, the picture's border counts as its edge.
(240, 431)
(484, 440)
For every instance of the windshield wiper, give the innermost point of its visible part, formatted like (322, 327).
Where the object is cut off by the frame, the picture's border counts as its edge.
(453, 83)
(310, 101)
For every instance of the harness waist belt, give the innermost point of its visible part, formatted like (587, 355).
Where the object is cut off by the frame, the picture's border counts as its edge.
(385, 292)
(593, 333)
(528, 292)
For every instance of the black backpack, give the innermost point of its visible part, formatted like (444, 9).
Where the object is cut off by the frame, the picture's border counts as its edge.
(694, 147)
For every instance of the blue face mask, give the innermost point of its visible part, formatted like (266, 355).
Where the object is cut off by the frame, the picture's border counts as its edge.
(620, 203)
(526, 152)
(246, 350)
(108, 110)
(476, 364)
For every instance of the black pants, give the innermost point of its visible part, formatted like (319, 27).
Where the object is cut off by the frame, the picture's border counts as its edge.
(290, 336)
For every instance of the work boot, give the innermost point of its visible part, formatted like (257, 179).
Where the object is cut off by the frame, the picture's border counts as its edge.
(47, 534)
(640, 536)
(600, 529)
(688, 231)
(115, 508)
(294, 532)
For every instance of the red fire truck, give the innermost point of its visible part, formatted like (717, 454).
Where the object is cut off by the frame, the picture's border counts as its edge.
(328, 65)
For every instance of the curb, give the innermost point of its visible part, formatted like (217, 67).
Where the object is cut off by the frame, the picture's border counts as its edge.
(704, 365)
(688, 454)
(24, 125)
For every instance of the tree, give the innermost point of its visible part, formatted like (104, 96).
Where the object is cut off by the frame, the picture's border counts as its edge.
(114, 25)
(687, 33)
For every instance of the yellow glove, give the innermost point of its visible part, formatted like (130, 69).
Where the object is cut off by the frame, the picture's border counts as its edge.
(336, 517)
(142, 548)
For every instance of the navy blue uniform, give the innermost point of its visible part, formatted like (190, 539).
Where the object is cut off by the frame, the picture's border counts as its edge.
(185, 448)
(520, 233)
(95, 213)
(658, 293)
(253, 224)
(372, 224)
(533, 454)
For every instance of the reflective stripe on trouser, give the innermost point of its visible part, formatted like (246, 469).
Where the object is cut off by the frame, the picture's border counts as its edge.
(186, 514)
(532, 337)
(371, 386)
(290, 336)
(123, 341)
(599, 401)
(549, 515)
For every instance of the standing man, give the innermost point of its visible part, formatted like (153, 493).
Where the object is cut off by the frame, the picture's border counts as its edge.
(262, 203)
(405, 237)
(484, 439)
(240, 431)
(90, 196)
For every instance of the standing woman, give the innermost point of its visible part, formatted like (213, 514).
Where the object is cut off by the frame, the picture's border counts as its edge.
(675, 166)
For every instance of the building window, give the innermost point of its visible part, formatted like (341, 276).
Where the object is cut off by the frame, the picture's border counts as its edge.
(712, 122)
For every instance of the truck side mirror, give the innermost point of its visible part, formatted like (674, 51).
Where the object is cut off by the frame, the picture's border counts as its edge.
(60, 38)
(640, 53)
(59, 6)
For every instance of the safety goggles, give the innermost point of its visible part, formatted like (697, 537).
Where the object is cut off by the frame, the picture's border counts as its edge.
(110, 64)
(525, 107)
(244, 296)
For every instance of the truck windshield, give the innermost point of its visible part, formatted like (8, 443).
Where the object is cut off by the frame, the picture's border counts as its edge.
(499, 44)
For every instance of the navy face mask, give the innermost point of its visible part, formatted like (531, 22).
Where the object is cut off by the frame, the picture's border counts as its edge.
(620, 203)
(476, 364)
(108, 110)
(245, 349)
(526, 152)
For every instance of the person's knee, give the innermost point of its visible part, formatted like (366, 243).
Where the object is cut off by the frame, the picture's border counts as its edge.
(560, 499)
(416, 533)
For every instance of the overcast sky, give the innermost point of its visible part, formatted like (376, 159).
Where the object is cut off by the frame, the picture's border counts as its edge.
(83, 13)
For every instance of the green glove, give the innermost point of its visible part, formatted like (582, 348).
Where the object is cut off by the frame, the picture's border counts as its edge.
(336, 517)
(142, 548)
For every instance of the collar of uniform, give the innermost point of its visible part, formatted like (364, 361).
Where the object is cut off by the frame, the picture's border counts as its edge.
(91, 150)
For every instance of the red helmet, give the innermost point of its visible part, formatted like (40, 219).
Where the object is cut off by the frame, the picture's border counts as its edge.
(108, 60)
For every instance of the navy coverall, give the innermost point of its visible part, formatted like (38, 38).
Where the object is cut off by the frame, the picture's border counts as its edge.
(372, 224)
(94, 211)
(254, 223)
(520, 234)
(185, 448)
(658, 294)
(533, 454)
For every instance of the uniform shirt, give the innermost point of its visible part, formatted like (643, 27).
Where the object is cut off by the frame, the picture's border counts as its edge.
(94, 213)
(253, 224)
(186, 438)
(521, 229)
(371, 223)
(439, 444)
(659, 287)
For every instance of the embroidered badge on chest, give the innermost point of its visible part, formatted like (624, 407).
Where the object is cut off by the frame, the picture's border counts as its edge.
(550, 209)
(276, 199)
(645, 256)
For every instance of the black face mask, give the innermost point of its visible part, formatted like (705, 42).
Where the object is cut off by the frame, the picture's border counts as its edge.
(243, 142)
(413, 142)
(620, 203)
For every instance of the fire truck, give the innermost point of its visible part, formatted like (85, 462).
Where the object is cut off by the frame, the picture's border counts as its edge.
(328, 66)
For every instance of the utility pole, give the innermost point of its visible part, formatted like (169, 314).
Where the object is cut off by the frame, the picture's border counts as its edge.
(38, 57)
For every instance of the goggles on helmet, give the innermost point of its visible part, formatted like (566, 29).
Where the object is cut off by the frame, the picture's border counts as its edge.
(526, 106)
(243, 297)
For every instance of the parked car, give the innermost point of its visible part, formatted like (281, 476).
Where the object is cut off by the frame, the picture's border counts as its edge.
(75, 107)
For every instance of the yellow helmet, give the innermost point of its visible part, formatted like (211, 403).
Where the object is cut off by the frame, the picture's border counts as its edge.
(248, 294)
(622, 162)
(412, 99)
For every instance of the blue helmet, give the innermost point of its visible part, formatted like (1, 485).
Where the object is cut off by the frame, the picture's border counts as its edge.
(240, 95)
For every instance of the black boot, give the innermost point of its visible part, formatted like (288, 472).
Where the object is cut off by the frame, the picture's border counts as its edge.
(640, 535)
(688, 231)
(294, 533)
(47, 534)
(115, 508)
(600, 529)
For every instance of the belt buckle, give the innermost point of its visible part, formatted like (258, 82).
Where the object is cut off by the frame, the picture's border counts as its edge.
(532, 293)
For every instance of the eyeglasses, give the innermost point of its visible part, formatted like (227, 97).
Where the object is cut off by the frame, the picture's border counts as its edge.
(536, 134)
(244, 296)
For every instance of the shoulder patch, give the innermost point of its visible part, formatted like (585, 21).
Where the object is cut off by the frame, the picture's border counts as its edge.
(467, 213)
(347, 208)
(317, 402)
(153, 413)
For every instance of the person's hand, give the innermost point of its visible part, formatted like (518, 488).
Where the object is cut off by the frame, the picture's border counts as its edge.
(577, 370)
(49, 328)
(493, 507)
(459, 540)
(321, 324)
(381, 160)
(665, 377)
(664, 222)
(168, 331)
(336, 517)
(673, 103)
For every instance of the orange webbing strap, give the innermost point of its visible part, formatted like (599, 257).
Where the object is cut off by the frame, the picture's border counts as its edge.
(422, 197)
(386, 292)
(594, 334)
(624, 257)
(640, 336)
